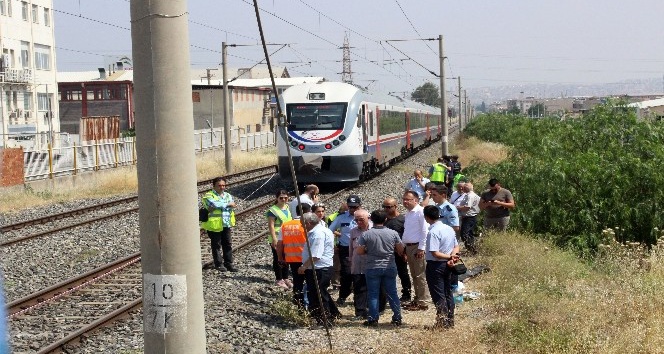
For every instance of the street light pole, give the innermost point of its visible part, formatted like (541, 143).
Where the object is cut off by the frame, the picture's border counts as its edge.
(443, 99)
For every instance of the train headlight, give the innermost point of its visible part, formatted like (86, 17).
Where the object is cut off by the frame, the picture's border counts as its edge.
(290, 139)
(335, 143)
(301, 146)
(293, 143)
(328, 146)
(342, 137)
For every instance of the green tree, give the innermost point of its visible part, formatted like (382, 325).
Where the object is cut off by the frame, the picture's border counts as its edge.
(427, 93)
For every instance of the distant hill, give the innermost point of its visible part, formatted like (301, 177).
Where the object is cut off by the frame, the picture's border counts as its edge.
(627, 87)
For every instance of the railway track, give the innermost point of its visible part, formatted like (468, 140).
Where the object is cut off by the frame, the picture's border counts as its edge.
(119, 282)
(102, 210)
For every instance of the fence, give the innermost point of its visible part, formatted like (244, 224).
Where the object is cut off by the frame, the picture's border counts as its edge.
(71, 159)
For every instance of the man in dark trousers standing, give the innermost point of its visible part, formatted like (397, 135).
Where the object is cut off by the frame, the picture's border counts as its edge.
(395, 222)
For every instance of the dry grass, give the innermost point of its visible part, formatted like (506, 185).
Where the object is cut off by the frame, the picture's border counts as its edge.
(538, 299)
(123, 181)
(473, 150)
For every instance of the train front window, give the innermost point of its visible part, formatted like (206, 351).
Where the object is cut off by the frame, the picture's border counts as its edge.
(317, 116)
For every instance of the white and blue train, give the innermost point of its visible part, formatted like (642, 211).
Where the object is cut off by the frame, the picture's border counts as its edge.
(338, 132)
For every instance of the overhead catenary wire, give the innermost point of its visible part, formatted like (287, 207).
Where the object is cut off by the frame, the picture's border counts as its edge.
(282, 125)
(413, 26)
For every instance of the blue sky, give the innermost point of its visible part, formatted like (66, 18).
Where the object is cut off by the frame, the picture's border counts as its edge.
(488, 43)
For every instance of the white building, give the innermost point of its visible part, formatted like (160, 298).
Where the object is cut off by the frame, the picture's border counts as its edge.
(28, 105)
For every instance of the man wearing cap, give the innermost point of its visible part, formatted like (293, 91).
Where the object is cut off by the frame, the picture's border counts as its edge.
(341, 227)
(497, 203)
(414, 237)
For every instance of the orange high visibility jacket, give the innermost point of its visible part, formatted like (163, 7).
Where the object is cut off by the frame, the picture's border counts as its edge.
(293, 238)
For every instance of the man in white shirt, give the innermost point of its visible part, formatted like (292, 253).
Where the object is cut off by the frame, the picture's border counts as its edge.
(414, 238)
(457, 196)
(469, 208)
(310, 196)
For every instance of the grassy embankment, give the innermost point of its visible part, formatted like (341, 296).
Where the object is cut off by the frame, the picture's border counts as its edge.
(123, 181)
(539, 298)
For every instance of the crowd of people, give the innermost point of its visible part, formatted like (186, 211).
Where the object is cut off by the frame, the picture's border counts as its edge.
(361, 252)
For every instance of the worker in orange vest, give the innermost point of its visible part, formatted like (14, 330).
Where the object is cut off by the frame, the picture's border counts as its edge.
(290, 243)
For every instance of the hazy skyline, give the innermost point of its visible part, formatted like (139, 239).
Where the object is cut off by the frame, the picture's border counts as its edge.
(493, 43)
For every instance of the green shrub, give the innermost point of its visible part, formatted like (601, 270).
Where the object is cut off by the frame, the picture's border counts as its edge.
(571, 179)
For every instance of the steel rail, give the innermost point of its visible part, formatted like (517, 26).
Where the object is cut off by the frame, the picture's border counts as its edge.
(62, 215)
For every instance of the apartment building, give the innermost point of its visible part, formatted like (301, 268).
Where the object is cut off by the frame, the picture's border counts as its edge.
(28, 86)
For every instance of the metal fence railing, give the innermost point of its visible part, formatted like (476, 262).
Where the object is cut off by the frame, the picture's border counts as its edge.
(71, 159)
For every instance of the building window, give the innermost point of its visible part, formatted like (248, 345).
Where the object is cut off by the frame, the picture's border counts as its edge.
(2, 7)
(25, 54)
(9, 8)
(24, 10)
(42, 57)
(47, 17)
(42, 101)
(27, 101)
(35, 11)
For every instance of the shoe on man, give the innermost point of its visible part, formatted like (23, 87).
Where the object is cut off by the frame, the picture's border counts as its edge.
(396, 323)
(370, 323)
(220, 268)
(416, 307)
(341, 301)
(281, 283)
(231, 268)
(405, 298)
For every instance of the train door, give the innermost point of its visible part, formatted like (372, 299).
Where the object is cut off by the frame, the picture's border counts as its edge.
(407, 117)
(377, 131)
(363, 121)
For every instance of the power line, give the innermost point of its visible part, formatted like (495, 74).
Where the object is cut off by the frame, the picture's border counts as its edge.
(413, 26)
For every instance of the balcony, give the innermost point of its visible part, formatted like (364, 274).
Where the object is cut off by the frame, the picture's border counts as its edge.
(16, 76)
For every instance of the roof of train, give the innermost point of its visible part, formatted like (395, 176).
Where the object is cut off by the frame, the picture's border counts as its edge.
(348, 90)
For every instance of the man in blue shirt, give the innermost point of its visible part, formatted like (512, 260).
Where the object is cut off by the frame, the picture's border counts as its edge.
(449, 215)
(341, 227)
(321, 242)
(441, 252)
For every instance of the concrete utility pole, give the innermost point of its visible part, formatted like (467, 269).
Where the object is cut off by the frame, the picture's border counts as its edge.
(173, 317)
(461, 125)
(443, 99)
(227, 110)
(466, 109)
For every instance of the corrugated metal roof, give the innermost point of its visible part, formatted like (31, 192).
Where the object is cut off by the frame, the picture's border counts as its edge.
(85, 76)
(648, 104)
(290, 81)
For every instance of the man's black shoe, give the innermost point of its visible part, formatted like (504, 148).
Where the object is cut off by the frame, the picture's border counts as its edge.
(341, 301)
(231, 268)
(370, 323)
(220, 268)
(397, 322)
(405, 298)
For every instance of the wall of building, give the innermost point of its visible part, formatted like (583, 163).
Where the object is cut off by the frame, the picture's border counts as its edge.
(11, 167)
(248, 106)
(29, 35)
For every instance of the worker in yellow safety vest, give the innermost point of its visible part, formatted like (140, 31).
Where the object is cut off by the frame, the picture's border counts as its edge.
(277, 215)
(438, 171)
(221, 218)
(290, 244)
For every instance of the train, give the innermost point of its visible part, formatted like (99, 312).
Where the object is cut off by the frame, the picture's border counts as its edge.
(338, 132)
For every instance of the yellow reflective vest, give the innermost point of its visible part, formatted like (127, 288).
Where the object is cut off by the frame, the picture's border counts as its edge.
(438, 173)
(218, 218)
